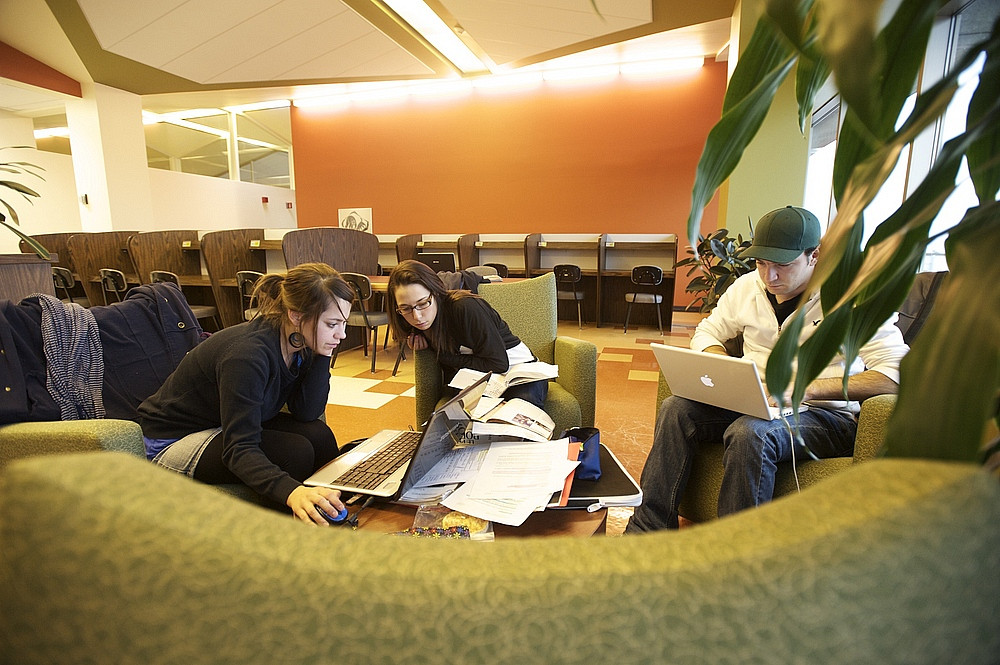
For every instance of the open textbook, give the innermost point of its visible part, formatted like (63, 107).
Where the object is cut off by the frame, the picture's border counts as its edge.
(494, 419)
(498, 383)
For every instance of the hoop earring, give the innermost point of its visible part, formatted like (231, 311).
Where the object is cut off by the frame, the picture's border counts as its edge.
(296, 340)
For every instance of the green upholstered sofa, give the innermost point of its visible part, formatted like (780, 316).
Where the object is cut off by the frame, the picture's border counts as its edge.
(700, 499)
(19, 440)
(106, 558)
(529, 308)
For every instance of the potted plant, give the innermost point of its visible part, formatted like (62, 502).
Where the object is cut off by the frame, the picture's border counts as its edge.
(950, 378)
(19, 169)
(717, 263)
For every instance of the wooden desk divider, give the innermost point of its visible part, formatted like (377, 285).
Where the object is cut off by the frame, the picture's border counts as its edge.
(177, 251)
(23, 274)
(475, 250)
(226, 253)
(58, 244)
(103, 249)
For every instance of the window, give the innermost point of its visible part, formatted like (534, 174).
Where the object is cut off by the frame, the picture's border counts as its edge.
(968, 26)
(199, 141)
(819, 169)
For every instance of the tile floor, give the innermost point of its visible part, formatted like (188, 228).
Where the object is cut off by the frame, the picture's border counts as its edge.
(627, 375)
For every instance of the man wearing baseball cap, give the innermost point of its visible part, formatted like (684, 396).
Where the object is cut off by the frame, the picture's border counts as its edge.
(786, 247)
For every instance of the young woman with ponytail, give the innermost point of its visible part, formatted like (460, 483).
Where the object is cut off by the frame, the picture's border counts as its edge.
(218, 418)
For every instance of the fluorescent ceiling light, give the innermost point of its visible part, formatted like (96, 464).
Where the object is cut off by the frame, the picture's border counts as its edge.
(422, 19)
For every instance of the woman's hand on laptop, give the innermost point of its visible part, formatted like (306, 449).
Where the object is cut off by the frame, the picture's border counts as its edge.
(304, 501)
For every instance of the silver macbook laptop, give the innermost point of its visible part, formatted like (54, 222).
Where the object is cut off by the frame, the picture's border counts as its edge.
(723, 381)
(392, 461)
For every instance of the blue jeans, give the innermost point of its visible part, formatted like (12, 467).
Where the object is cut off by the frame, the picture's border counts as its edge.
(752, 450)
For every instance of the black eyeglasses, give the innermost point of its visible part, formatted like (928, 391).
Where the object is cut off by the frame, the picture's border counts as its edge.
(423, 304)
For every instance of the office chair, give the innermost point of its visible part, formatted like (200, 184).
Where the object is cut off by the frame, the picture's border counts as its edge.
(648, 276)
(199, 311)
(63, 281)
(569, 275)
(501, 268)
(246, 280)
(113, 282)
(362, 317)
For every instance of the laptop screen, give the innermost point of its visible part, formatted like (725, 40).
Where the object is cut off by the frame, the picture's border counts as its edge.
(443, 262)
(446, 429)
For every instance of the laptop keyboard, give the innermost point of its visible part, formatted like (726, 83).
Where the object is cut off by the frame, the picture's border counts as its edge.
(372, 472)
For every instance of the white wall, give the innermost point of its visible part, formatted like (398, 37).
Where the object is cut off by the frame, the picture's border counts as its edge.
(180, 201)
(55, 210)
(185, 201)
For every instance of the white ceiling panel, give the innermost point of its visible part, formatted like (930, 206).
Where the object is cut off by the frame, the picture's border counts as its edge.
(185, 28)
(372, 54)
(513, 29)
(398, 61)
(274, 40)
(112, 21)
(28, 100)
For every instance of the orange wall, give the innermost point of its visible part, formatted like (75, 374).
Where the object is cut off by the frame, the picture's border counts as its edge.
(616, 158)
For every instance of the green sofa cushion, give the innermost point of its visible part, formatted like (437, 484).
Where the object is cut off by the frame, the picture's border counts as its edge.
(107, 557)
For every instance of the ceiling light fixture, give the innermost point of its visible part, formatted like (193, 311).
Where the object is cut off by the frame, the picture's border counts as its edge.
(422, 18)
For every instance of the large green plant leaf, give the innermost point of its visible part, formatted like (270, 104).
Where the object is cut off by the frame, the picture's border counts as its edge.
(984, 153)
(797, 22)
(955, 362)
(762, 68)
(20, 168)
(869, 176)
(38, 248)
(846, 30)
(901, 46)
(906, 230)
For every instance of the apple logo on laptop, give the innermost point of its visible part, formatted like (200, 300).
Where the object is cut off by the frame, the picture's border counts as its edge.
(707, 380)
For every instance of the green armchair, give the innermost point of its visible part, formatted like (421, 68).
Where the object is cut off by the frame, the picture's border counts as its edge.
(68, 436)
(529, 308)
(106, 558)
(700, 499)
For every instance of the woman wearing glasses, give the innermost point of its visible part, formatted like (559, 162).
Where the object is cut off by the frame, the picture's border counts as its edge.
(459, 326)
(218, 418)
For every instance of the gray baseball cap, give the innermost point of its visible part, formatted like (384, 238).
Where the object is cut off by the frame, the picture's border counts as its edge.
(783, 234)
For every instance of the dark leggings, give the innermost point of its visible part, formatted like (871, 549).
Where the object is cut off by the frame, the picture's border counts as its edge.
(298, 448)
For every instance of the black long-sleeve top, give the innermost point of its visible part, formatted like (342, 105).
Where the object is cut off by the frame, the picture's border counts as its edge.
(475, 325)
(237, 379)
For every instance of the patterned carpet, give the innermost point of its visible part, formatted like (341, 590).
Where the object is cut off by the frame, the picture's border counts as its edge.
(362, 403)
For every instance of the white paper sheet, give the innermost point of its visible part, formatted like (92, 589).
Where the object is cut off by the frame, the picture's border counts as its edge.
(511, 511)
(516, 469)
(458, 466)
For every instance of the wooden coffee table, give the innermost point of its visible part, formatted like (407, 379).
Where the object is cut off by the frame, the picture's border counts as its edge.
(392, 517)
